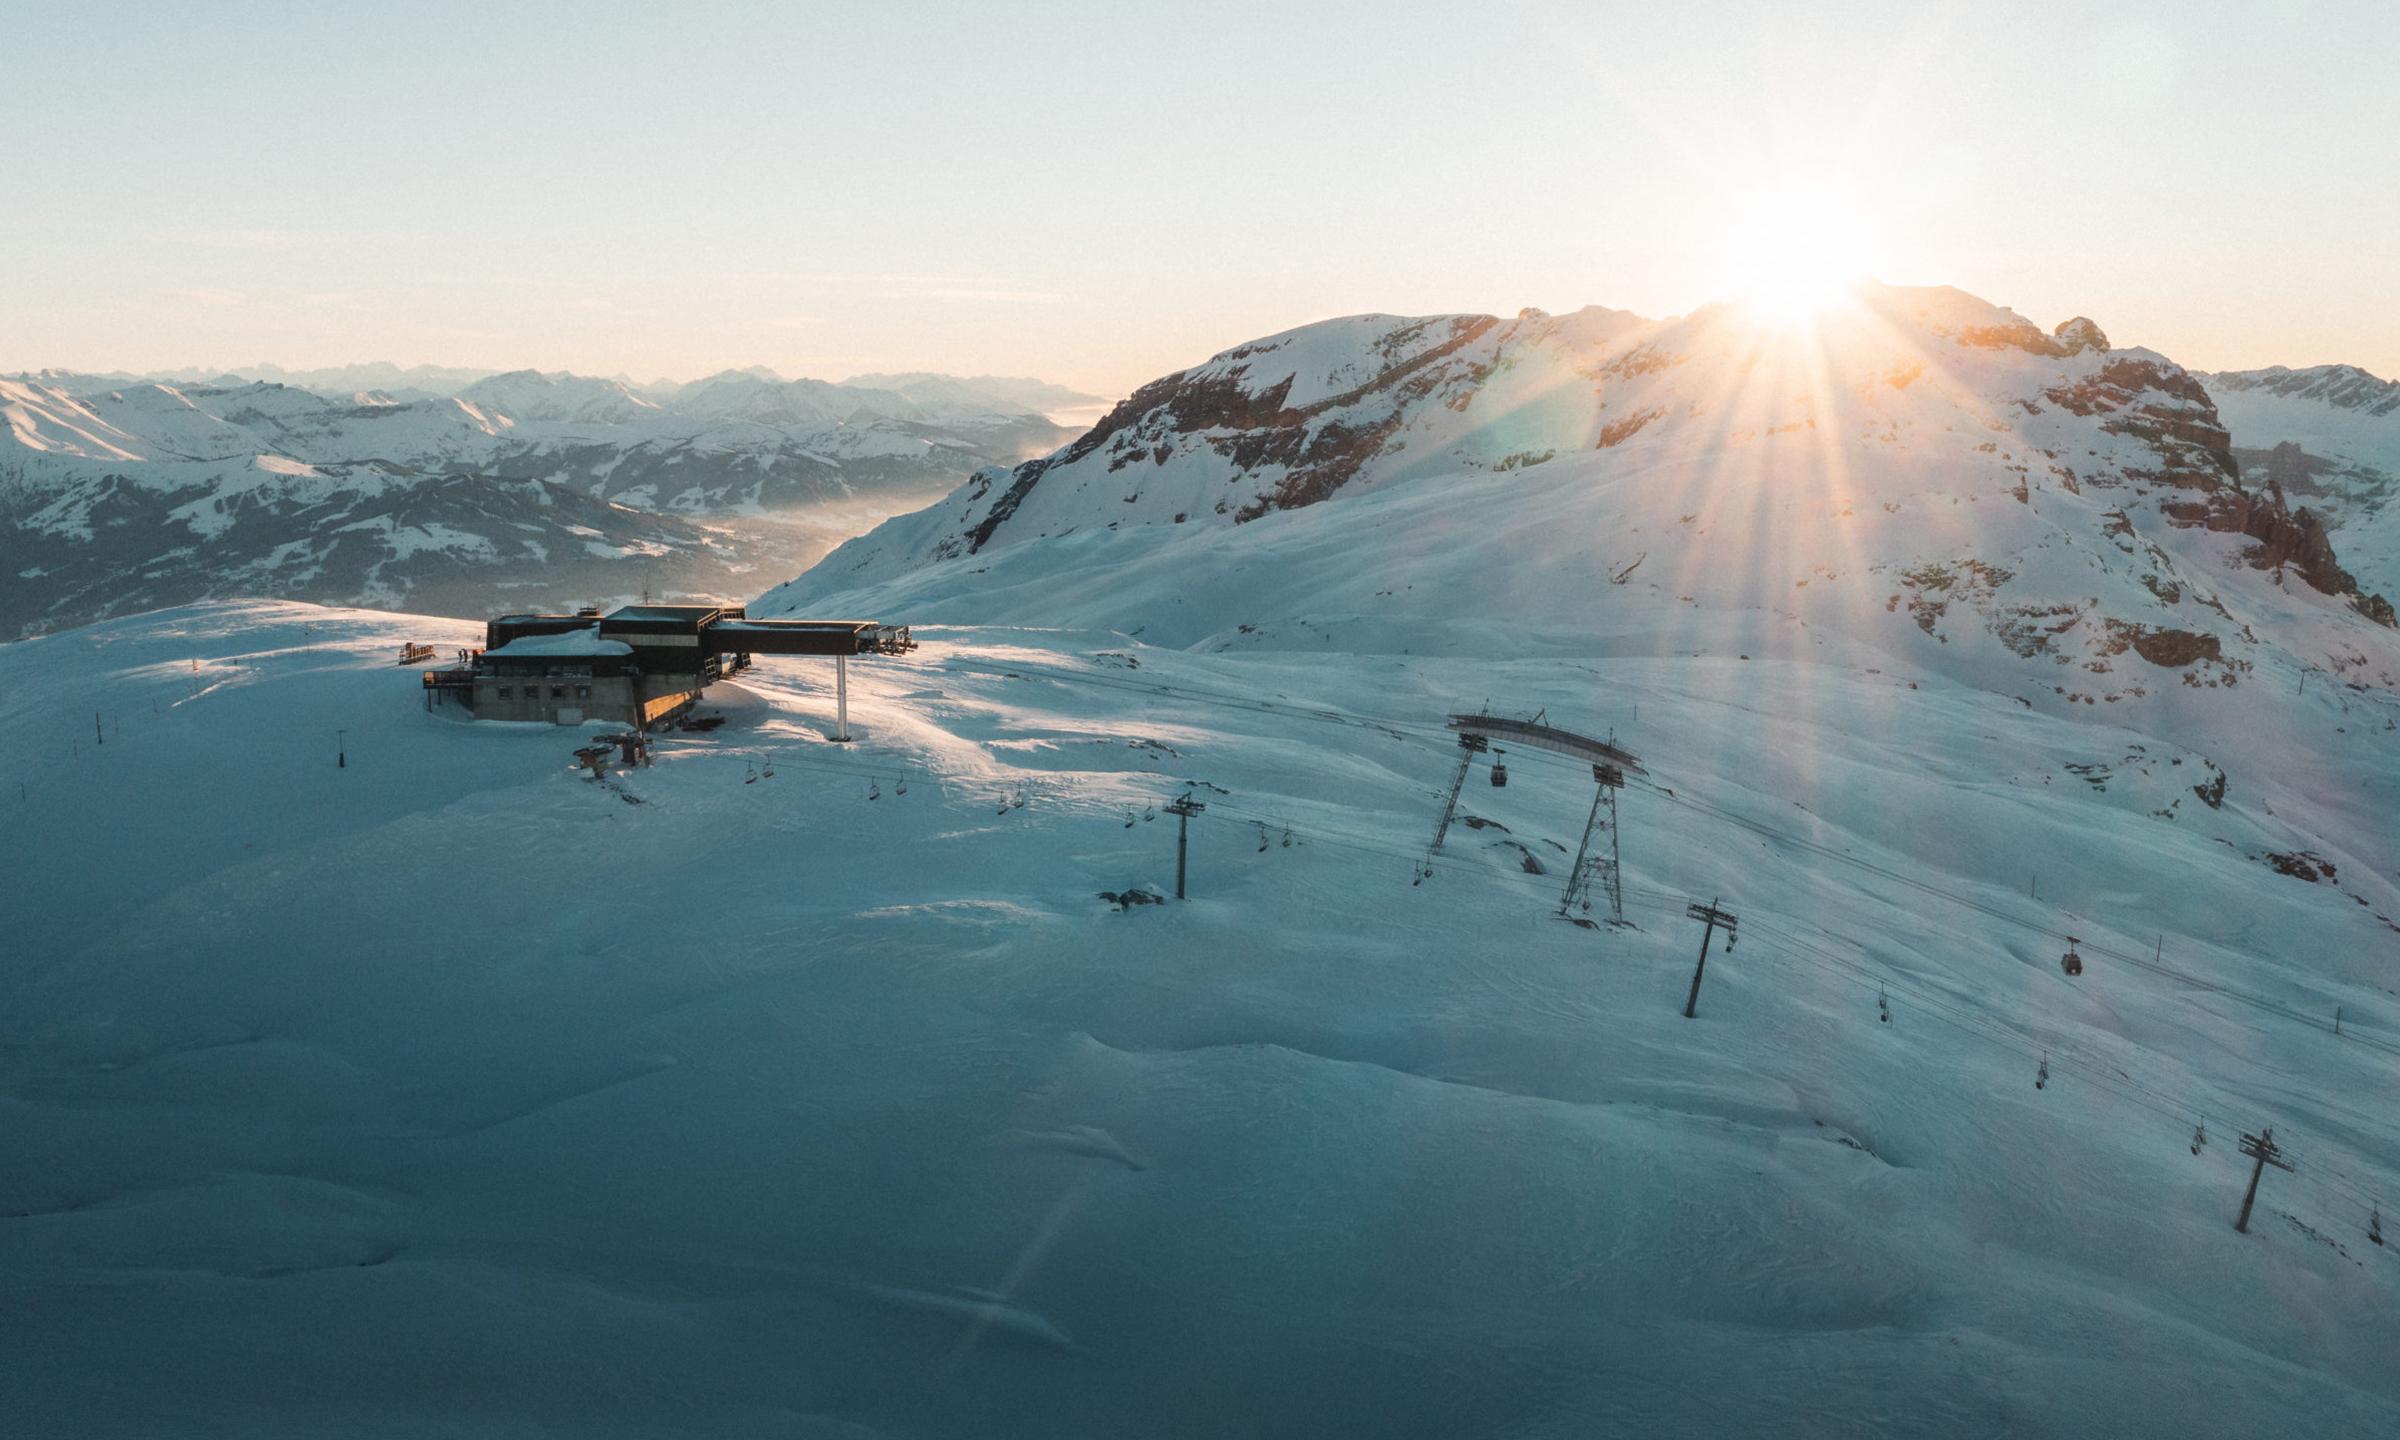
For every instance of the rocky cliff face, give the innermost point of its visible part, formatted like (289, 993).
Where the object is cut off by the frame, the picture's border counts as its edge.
(2323, 443)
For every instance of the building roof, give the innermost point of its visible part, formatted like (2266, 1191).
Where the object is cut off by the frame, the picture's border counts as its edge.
(694, 615)
(585, 641)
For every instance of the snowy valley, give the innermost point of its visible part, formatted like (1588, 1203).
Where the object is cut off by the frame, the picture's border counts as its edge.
(788, 1087)
(119, 494)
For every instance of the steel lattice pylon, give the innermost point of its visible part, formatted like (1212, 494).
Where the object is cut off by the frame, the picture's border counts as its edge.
(1590, 864)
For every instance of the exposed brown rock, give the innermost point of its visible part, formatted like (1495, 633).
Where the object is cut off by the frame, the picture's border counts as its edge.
(2017, 335)
(2301, 865)
(1622, 429)
(2168, 649)
(2081, 334)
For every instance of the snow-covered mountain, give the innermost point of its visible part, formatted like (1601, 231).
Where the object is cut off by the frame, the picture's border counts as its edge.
(1923, 469)
(2329, 438)
(524, 395)
(998, 392)
(218, 489)
(349, 379)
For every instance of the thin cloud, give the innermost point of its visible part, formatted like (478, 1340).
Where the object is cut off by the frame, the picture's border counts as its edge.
(1006, 297)
(212, 298)
(244, 239)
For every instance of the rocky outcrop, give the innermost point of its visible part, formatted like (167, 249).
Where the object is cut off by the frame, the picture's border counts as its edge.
(2080, 334)
(2072, 337)
(2286, 539)
(2166, 648)
(1318, 446)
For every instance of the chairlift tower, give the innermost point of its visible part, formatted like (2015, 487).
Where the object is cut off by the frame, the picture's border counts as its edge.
(1590, 864)
(1183, 807)
(1469, 746)
(2262, 1149)
(1610, 764)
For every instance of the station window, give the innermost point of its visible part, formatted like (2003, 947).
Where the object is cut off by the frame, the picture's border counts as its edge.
(504, 692)
(583, 692)
(558, 692)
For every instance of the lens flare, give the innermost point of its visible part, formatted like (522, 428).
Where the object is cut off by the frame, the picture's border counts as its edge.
(1793, 252)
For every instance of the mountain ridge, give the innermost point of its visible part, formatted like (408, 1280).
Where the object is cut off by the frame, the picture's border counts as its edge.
(1924, 411)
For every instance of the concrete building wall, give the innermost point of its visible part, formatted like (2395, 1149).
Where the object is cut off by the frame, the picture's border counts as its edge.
(573, 699)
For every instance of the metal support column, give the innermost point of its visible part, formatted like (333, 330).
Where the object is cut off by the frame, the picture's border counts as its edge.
(2263, 1149)
(1469, 746)
(1609, 779)
(1576, 875)
(1716, 918)
(1183, 808)
(841, 697)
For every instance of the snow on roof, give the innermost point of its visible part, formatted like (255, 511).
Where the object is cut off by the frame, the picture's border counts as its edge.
(585, 641)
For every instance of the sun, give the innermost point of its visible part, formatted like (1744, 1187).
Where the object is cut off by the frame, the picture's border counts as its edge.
(1792, 252)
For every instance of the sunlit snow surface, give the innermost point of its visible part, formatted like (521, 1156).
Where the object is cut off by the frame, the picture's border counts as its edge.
(447, 1092)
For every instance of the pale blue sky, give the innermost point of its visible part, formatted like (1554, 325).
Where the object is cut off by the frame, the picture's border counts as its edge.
(1103, 192)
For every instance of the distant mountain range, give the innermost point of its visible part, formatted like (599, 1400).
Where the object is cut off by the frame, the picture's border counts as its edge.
(1004, 394)
(119, 493)
(2327, 437)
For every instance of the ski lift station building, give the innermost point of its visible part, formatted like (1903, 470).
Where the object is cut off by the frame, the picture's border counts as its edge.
(641, 665)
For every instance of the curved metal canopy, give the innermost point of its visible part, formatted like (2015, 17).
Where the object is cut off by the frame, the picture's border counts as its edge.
(1547, 737)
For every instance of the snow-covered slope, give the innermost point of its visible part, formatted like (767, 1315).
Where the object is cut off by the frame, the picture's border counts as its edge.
(244, 488)
(2329, 436)
(445, 1091)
